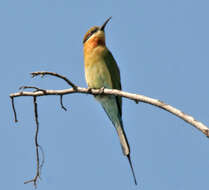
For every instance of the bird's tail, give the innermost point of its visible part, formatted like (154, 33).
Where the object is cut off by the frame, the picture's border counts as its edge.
(111, 108)
(125, 146)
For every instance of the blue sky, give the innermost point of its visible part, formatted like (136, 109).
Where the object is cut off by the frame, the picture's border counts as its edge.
(162, 50)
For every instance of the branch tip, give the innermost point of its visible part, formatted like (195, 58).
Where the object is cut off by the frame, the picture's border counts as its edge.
(14, 110)
(61, 103)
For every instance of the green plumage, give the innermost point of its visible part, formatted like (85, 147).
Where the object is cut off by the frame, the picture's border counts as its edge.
(115, 76)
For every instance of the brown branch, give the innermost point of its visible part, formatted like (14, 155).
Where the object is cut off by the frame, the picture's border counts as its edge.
(38, 165)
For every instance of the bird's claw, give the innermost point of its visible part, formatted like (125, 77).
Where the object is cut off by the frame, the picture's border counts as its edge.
(89, 89)
(101, 90)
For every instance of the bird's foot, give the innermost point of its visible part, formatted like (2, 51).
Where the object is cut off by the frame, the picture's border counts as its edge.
(89, 90)
(101, 90)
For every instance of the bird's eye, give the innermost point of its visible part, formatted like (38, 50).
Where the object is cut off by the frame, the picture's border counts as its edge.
(89, 34)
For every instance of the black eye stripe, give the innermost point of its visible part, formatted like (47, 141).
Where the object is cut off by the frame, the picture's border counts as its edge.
(93, 31)
(90, 34)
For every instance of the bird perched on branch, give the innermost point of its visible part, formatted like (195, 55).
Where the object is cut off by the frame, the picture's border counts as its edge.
(101, 71)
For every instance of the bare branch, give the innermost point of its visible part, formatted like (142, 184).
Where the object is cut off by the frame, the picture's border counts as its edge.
(38, 165)
(43, 73)
(136, 97)
(13, 108)
(75, 89)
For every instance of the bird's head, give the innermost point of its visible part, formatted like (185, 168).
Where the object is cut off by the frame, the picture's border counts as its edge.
(95, 35)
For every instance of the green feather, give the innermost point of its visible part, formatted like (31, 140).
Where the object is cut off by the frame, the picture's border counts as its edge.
(114, 74)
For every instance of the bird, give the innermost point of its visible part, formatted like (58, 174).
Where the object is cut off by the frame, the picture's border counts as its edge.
(101, 71)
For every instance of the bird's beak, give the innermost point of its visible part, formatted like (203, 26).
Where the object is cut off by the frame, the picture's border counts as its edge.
(105, 23)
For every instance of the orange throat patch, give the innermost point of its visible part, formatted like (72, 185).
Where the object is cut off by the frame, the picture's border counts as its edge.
(94, 42)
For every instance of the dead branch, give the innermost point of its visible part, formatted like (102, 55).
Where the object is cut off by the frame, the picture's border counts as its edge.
(136, 97)
(75, 89)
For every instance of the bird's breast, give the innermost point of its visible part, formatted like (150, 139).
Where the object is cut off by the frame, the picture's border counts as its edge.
(96, 70)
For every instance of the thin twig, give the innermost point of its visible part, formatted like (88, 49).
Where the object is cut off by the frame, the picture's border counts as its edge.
(13, 108)
(43, 158)
(61, 103)
(37, 176)
(31, 87)
(42, 73)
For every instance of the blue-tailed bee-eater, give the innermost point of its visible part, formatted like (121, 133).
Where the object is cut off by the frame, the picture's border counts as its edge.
(101, 71)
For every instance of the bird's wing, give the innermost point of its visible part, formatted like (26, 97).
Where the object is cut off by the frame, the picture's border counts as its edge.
(115, 76)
